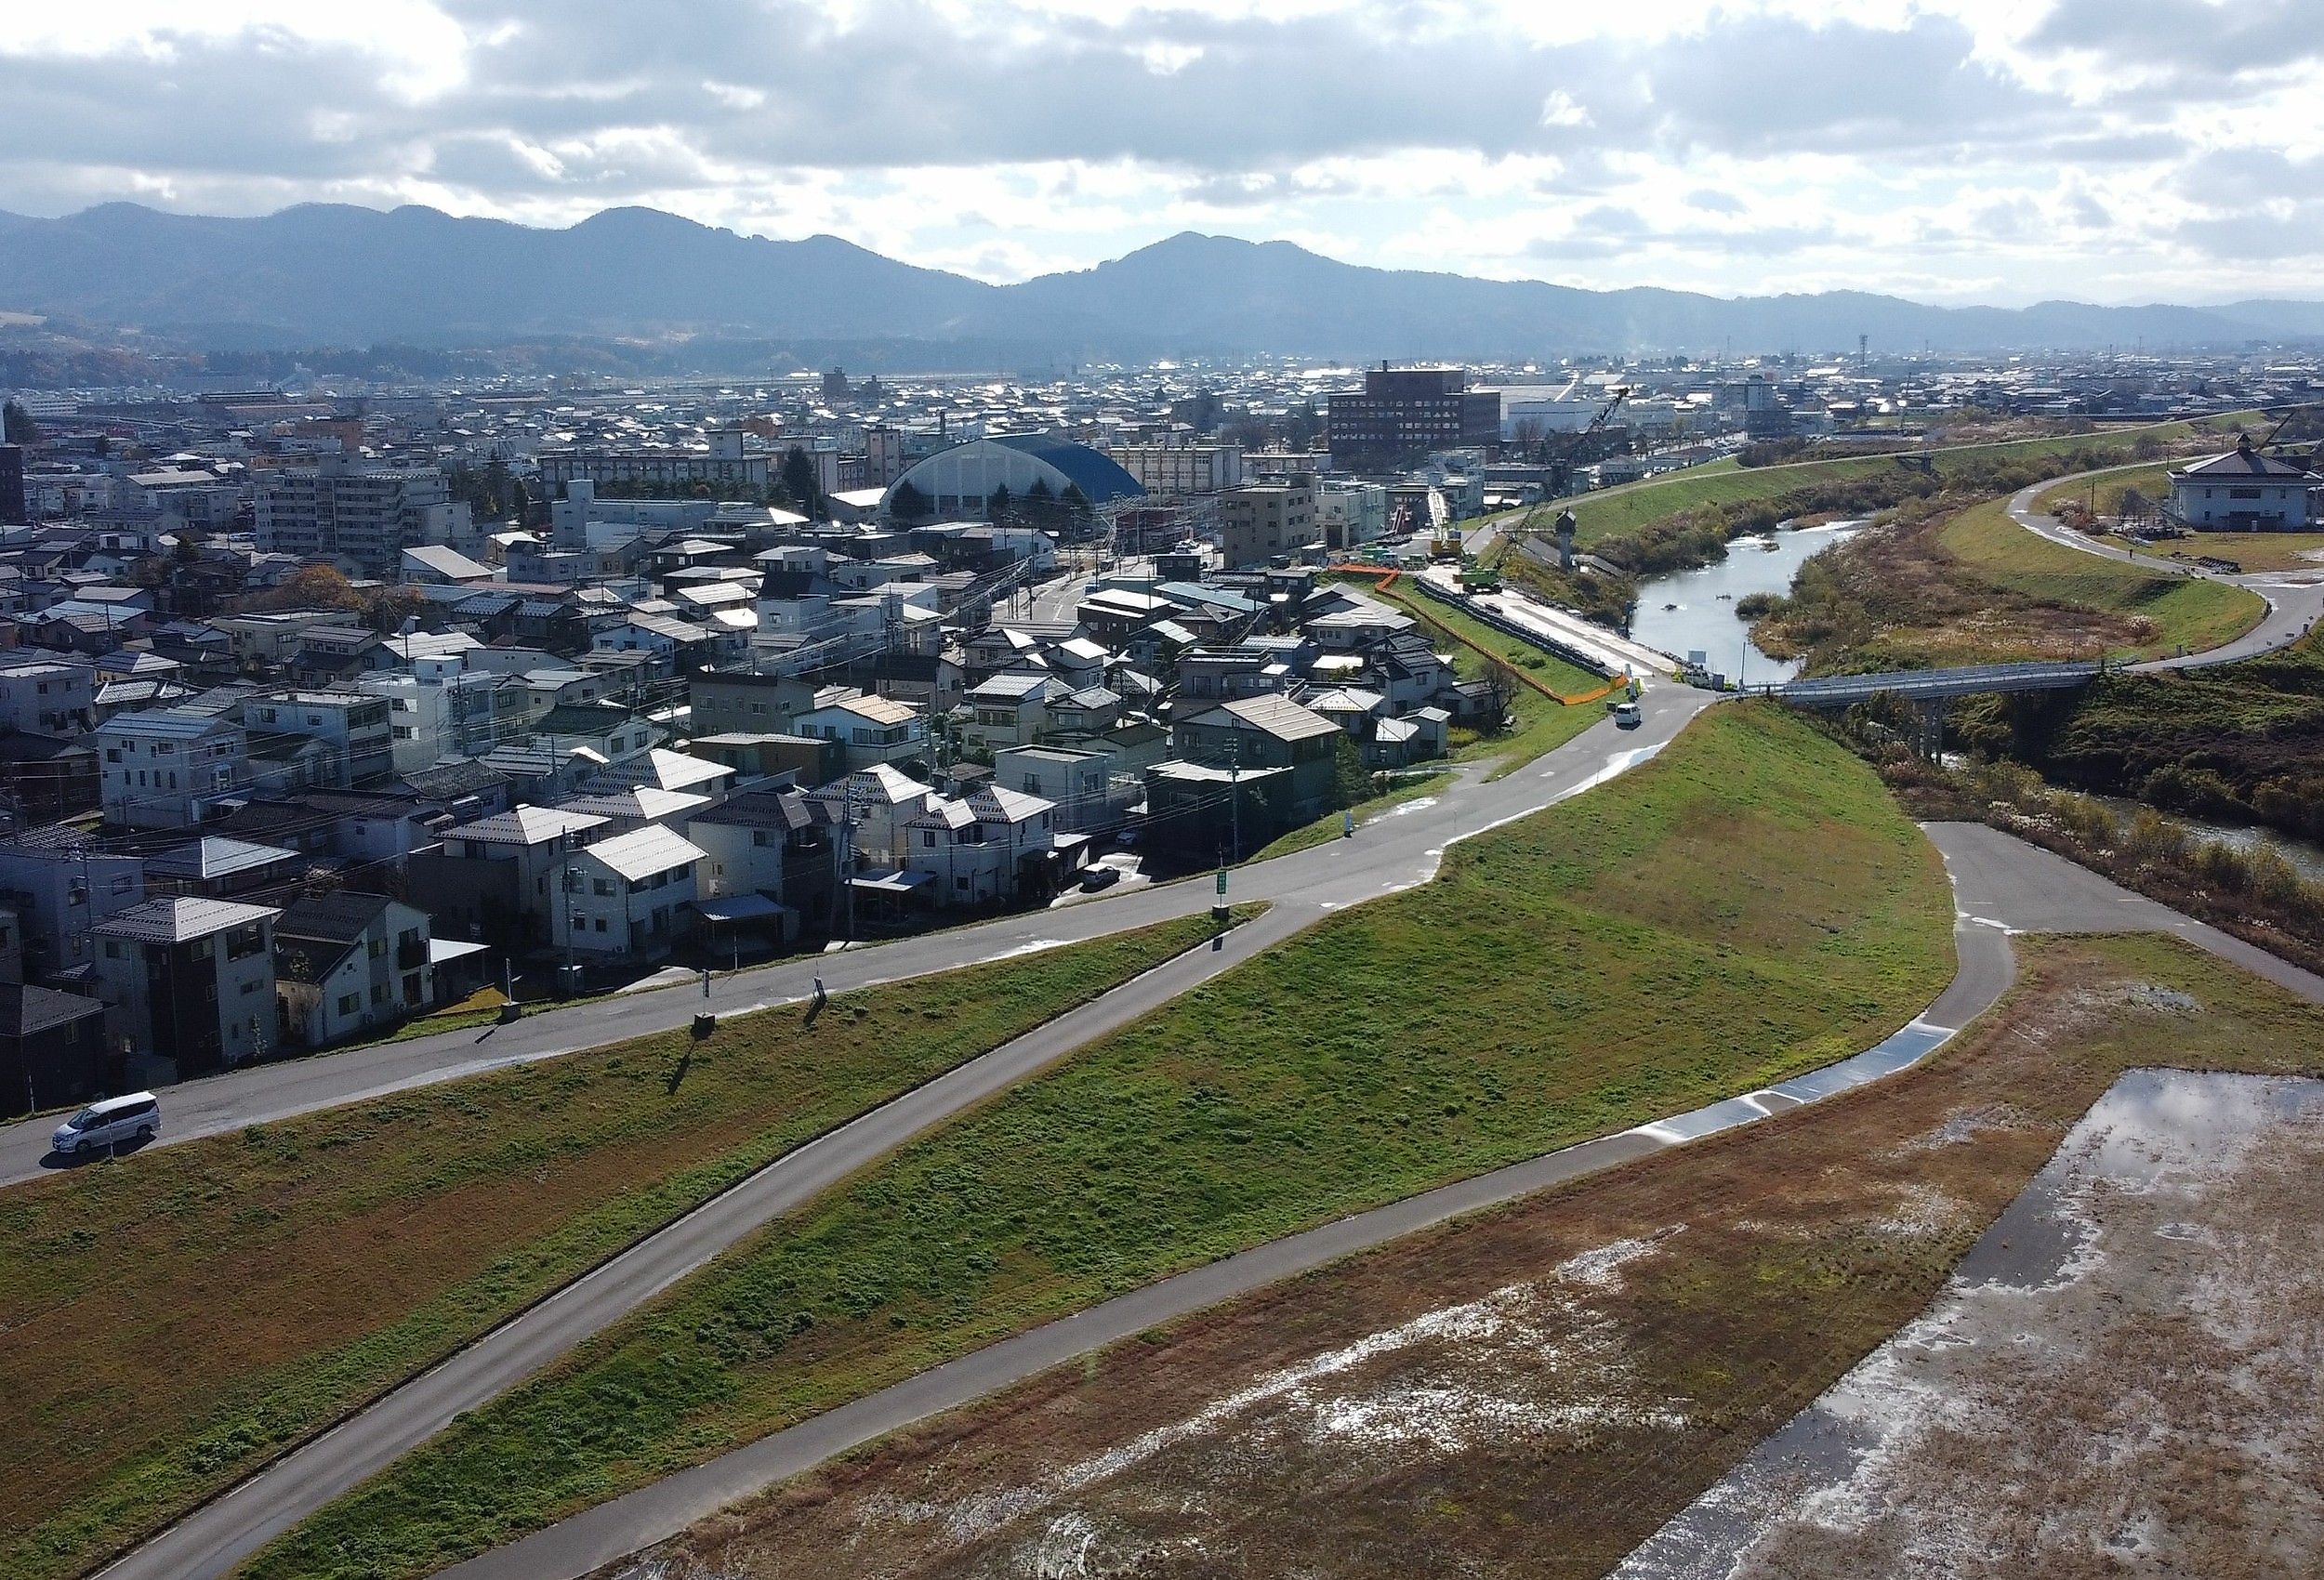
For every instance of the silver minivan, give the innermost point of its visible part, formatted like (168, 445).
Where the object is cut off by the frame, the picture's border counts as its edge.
(109, 1122)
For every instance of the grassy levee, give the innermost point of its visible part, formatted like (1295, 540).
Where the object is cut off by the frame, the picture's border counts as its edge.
(1624, 509)
(1749, 904)
(1541, 722)
(169, 1322)
(2185, 612)
(1802, 1244)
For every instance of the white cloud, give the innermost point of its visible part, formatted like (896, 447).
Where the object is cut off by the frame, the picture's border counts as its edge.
(2143, 148)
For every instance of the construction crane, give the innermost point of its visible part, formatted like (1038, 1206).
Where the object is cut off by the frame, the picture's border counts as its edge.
(1558, 459)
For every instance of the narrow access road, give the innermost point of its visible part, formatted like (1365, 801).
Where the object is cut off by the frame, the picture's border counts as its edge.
(1387, 854)
(2001, 886)
(209, 1542)
(2295, 599)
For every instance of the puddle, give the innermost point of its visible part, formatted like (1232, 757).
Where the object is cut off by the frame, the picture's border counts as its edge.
(2131, 1222)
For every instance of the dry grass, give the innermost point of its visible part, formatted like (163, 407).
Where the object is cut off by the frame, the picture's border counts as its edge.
(1540, 1406)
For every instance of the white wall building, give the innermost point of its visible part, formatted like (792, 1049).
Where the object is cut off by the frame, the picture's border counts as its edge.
(627, 897)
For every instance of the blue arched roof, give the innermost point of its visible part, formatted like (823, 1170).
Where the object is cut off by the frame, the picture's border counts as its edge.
(1098, 475)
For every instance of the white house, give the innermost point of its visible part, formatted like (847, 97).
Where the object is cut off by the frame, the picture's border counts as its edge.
(992, 844)
(166, 768)
(2246, 491)
(627, 897)
(874, 729)
(346, 963)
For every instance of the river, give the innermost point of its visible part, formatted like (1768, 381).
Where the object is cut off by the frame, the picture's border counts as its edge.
(1702, 618)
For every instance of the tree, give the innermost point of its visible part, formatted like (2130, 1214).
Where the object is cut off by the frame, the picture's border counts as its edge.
(908, 504)
(1350, 782)
(996, 504)
(804, 486)
(17, 426)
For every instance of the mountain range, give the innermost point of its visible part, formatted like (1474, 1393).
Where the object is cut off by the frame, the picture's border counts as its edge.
(332, 274)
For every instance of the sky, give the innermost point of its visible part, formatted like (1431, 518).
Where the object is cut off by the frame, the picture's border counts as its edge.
(1950, 150)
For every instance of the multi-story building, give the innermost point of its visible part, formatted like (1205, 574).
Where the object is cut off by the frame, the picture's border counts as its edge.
(1352, 514)
(1261, 520)
(12, 500)
(627, 897)
(443, 709)
(346, 963)
(1182, 469)
(725, 461)
(1403, 414)
(2244, 491)
(47, 697)
(365, 516)
(493, 879)
(353, 726)
(189, 982)
(59, 891)
(167, 768)
(739, 703)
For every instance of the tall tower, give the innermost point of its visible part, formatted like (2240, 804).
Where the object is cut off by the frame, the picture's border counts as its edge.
(1864, 354)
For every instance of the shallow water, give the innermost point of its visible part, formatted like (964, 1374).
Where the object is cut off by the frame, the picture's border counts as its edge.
(1705, 620)
(2153, 1129)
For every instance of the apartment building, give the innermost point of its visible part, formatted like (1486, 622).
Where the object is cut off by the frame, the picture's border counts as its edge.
(1401, 414)
(365, 516)
(1261, 520)
(168, 768)
(191, 981)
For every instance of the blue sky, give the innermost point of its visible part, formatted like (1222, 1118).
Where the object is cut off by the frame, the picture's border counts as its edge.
(1946, 149)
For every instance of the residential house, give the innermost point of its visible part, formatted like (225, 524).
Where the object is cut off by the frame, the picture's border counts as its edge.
(355, 729)
(629, 898)
(730, 703)
(874, 729)
(1007, 710)
(493, 880)
(169, 768)
(773, 843)
(1079, 783)
(47, 696)
(994, 845)
(348, 963)
(1267, 732)
(871, 807)
(52, 1050)
(189, 982)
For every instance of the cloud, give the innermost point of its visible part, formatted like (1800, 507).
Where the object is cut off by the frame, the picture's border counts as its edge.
(1718, 140)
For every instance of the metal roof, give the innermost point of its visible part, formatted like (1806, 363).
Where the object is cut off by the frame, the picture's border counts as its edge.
(180, 918)
(644, 852)
(525, 825)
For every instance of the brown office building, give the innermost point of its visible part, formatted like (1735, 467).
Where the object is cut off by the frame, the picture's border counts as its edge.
(1405, 412)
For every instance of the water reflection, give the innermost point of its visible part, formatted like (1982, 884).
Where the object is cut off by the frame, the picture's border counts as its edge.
(1705, 619)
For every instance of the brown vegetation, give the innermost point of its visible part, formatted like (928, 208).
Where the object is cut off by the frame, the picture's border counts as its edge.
(1535, 1391)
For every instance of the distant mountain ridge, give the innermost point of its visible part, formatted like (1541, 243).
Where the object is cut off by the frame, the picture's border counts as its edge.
(324, 273)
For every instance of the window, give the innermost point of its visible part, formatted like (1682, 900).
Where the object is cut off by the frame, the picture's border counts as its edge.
(112, 949)
(377, 947)
(2244, 494)
(928, 841)
(380, 993)
(601, 886)
(601, 924)
(351, 1003)
(123, 884)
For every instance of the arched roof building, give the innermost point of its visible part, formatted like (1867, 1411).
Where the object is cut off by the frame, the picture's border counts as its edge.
(958, 481)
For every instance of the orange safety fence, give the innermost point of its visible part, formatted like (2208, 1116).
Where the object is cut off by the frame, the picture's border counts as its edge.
(1388, 579)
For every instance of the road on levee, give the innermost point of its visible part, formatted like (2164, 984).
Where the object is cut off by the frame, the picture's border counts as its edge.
(1393, 851)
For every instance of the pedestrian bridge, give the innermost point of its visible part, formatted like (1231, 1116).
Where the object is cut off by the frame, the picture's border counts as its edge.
(1936, 685)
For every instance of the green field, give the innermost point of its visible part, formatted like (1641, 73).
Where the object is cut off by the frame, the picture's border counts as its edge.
(1633, 953)
(1543, 722)
(170, 1320)
(1615, 511)
(2186, 613)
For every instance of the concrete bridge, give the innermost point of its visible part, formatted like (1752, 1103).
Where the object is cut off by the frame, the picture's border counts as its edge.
(1936, 685)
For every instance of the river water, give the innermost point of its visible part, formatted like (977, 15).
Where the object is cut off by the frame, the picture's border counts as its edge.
(2306, 857)
(1703, 620)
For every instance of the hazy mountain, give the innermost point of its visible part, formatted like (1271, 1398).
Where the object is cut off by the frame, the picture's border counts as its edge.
(331, 273)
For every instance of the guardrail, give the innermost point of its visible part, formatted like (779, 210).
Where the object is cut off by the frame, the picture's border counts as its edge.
(1840, 690)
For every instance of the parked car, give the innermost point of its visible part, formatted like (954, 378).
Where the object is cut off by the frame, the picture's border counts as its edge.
(1095, 878)
(109, 1122)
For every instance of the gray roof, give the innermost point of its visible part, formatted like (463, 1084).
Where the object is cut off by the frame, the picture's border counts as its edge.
(178, 918)
(216, 856)
(27, 1011)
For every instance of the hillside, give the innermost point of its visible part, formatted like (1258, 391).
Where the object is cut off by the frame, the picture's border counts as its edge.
(331, 273)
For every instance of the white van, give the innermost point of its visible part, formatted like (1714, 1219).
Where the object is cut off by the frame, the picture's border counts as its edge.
(109, 1122)
(1627, 716)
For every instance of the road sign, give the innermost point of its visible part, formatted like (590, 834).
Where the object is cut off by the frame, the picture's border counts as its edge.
(1221, 880)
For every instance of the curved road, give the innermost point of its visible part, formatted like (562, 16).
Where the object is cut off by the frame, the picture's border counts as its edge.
(1394, 852)
(2295, 599)
(2001, 884)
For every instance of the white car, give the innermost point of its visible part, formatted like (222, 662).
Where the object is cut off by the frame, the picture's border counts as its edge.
(1626, 716)
(109, 1122)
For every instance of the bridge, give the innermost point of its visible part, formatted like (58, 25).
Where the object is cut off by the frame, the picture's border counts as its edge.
(1936, 685)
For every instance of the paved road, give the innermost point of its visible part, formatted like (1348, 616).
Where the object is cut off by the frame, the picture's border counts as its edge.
(2001, 884)
(2295, 599)
(1393, 852)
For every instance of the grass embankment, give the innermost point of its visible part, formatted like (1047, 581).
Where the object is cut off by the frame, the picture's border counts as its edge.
(1971, 586)
(1327, 828)
(2248, 551)
(1630, 953)
(1543, 722)
(169, 1322)
(1764, 1264)
(1617, 511)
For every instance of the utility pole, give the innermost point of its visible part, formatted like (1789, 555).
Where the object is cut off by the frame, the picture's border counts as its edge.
(1234, 792)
